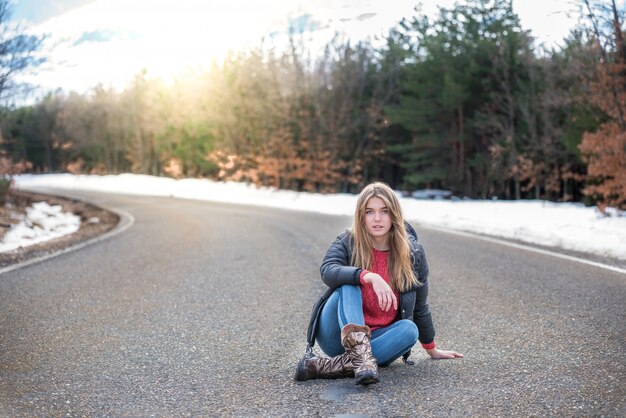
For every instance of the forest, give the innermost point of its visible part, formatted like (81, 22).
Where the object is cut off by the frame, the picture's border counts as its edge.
(464, 101)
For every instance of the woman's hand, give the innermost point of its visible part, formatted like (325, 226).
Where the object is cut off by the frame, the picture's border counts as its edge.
(436, 353)
(386, 297)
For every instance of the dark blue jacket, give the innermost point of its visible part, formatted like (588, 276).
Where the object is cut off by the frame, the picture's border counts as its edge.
(337, 271)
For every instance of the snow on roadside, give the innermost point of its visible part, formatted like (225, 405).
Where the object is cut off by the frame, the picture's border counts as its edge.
(42, 222)
(570, 226)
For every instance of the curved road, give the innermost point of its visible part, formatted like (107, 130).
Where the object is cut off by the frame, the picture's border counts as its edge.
(201, 309)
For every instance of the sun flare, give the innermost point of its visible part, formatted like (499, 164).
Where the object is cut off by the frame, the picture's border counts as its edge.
(111, 40)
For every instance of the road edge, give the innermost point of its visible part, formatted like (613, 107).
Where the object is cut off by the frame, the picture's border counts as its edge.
(526, 247)
(126, 221)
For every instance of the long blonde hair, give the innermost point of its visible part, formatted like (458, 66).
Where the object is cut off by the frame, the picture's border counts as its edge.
(401, 275)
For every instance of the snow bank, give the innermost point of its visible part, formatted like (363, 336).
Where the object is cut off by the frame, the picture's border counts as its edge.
(570, 226)
(42, 222)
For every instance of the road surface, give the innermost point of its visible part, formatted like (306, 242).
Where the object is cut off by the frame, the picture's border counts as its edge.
(200, 309)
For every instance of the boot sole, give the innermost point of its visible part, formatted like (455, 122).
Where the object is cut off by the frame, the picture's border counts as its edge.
(301, 374)
(367, 378)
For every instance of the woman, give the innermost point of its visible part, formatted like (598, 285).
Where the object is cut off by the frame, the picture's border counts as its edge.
(378, 308)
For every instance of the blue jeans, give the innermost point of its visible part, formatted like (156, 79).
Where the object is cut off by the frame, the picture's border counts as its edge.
(345, 306)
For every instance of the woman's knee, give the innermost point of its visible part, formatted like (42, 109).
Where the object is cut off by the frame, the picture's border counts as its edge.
(349, 289)
(350, 309)
(393, 342)
(409, 331)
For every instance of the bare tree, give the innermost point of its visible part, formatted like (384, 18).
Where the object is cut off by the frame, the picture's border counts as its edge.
(17, 52)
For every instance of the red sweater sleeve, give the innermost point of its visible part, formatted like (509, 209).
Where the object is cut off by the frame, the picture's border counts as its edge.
(429, 346)
(363, 273)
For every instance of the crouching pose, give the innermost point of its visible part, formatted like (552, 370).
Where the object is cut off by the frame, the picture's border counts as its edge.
(378, 307)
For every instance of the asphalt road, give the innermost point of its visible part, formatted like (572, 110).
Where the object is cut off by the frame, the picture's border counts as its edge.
(200, 309)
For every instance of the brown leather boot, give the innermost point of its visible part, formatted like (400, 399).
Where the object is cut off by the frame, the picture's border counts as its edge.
(313, 367)
(356, 341)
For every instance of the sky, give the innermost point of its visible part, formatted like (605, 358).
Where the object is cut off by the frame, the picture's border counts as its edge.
(109, 41)
(569, 226)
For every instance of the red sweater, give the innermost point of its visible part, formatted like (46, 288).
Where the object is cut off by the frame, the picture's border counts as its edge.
(374, 316)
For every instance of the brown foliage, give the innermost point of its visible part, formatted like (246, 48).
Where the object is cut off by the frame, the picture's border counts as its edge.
(286, 166)
(173, 168)
(75, 167)
(606, 157)
(8, 169)
(604, 150)
(550, 177)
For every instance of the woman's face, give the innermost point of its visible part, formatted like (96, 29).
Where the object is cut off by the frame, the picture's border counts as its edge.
(377, 219)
